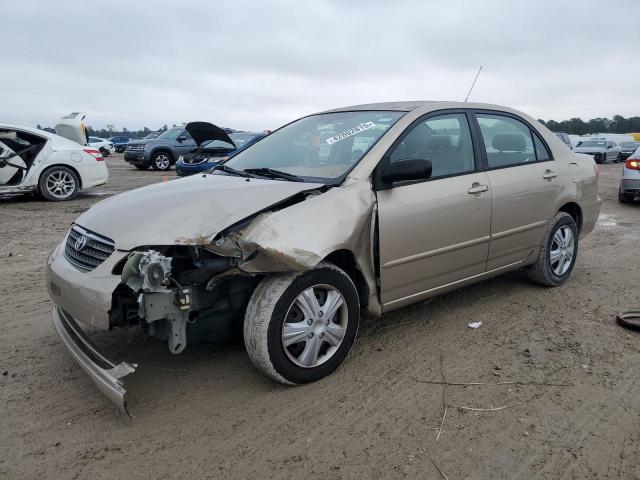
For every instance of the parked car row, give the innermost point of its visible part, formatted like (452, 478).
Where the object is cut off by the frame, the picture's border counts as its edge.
(193, 148)
(105, 146)
(602, 149)
(213, 152)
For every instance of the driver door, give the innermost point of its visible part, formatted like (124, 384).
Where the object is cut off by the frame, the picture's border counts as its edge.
(186, 144)
(436, 232)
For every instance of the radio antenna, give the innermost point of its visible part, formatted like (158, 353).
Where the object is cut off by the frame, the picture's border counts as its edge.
(473, 84)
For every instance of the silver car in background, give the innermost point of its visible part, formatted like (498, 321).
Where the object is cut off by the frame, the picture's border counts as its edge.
(602, 150)
(363, 208)
(630, 181)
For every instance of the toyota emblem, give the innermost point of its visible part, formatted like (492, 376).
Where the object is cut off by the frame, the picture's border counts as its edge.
(80, 243)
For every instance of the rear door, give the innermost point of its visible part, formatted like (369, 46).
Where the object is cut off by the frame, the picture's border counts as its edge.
(525, 181)
(434, 232)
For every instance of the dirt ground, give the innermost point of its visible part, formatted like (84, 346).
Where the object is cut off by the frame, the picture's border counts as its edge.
(209, 414)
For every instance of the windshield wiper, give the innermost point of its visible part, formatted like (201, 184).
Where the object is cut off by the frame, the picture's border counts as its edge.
(270, 172)
(232, 171)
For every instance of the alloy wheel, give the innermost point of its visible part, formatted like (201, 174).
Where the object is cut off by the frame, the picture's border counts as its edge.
(162, 161)
(60, 184)
(562, 249)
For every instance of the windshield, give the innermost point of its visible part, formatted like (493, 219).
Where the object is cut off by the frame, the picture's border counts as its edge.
(320, 147)
(592, 143)
(171, 134)
(630, 144)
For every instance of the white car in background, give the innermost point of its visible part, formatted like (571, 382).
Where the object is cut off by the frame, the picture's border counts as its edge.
(36, 161)
(104, 145)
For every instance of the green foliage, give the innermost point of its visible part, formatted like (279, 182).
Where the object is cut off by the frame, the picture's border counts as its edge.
(104, 133)
(577, 126)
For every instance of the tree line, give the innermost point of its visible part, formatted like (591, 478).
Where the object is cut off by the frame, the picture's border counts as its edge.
(124, 132)
(574, 126)
(577, 126)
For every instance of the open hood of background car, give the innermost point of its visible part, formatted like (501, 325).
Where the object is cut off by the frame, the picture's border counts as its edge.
(205, 131)
(188, 211)
(70, 127)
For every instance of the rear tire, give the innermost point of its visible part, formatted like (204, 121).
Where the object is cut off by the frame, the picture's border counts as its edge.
(625, 197)
(58, 184)
(299, 327)
(558, 252)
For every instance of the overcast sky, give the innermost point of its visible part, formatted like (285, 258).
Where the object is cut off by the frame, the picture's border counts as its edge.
(257, 65)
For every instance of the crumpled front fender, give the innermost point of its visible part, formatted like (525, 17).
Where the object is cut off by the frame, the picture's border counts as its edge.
(300, 236)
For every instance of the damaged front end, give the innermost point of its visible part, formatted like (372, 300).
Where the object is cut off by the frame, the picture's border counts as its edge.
(178, 294)
(195, 283)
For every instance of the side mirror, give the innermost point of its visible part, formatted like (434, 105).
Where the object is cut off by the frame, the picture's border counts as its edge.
(181, 138)
(404, 170)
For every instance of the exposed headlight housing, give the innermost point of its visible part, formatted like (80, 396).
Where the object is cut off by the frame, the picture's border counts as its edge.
(148, 271)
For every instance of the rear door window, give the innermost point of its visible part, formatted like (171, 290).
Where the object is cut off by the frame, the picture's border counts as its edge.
(507, 141)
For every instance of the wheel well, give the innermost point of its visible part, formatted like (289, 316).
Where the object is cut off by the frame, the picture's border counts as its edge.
(575, 211)
(347, 262)
(62, 165)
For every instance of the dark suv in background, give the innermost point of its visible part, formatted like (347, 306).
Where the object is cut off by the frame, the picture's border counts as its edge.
(160, 152)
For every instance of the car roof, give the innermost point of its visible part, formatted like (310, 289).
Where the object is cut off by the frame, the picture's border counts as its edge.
(408, 105)
(33, 130)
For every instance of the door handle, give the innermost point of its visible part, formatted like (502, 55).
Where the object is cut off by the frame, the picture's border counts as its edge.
(477, 188)
(548, 174)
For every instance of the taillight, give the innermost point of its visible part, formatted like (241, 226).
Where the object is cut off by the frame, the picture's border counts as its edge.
(94, 153)
(633, 164)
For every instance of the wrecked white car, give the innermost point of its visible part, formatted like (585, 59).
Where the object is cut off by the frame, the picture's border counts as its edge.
(365, 208)
(36, 161)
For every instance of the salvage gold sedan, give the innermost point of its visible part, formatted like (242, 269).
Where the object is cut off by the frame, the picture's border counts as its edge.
(359, 209)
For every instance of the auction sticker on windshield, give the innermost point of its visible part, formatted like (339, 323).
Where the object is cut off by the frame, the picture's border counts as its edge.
(350, 132)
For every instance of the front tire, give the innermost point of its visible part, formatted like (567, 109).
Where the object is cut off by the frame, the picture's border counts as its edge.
(59, 183)
(558, 252)
(161, 161)
(299, 327)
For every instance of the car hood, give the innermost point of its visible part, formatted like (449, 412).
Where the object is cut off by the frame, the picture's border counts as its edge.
(189, 211)
(204, 131)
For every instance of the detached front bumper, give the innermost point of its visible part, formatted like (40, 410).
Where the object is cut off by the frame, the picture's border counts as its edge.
(183, 169)
(103, 372)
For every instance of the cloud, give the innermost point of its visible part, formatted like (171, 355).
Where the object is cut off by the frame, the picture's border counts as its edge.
(257, 65)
